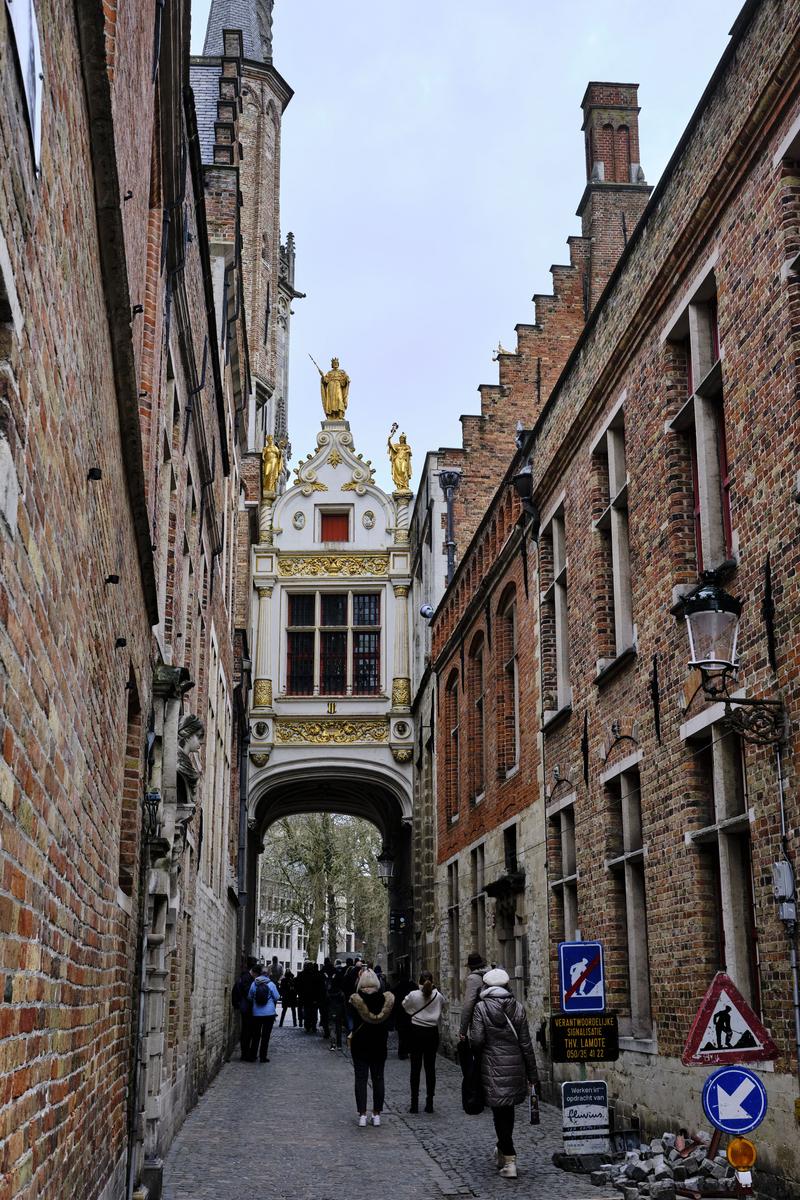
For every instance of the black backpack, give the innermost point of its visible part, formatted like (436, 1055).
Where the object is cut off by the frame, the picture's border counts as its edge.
(262, 993)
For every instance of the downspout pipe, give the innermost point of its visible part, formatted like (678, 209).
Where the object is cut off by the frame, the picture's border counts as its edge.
(449, 481)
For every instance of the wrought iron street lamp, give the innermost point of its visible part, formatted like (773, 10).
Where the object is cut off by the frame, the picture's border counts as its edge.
(712, 622)
(385, 863)
(151, 804)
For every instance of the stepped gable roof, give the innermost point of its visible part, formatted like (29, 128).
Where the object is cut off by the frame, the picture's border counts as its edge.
(253, 17)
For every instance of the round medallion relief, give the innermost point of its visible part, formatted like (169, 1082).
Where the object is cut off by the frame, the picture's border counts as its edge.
(299, 520)
(402, 729)
(261, 729)
(368, 520)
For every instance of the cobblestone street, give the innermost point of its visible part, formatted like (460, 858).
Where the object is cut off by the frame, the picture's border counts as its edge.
(288, 1130)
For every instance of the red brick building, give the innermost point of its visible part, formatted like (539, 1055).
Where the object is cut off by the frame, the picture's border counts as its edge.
(618, 801)
(126, 412)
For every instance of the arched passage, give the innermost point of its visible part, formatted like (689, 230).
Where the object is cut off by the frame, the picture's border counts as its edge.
(369, 793)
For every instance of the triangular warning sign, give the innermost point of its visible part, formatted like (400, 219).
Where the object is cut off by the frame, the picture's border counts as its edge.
(726, 1030)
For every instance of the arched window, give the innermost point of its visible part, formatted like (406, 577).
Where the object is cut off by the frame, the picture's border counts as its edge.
(477, 722)
(452, 734)
(508, 684)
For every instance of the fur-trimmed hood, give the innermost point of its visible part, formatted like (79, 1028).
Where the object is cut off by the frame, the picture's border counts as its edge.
(366, 1014)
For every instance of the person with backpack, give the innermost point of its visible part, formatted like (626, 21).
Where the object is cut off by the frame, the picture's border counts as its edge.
(424, 1005)
(240, 1000)
(264, 997)
(499, 1033)
(372, 1009)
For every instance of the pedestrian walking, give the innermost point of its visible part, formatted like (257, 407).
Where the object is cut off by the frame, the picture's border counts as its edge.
(372, 1009)
(424, 1005)
(322, 983)
(353, 968)
(472, 989)
(240, 1000)
(275, 970)
(264, 997)
(336, 1003)
(499, 1033)
(288, 990)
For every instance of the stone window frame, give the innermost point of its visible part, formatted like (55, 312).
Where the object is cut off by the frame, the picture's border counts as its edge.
(560, 815)
(316, 630)
(452, 763)
(554, 598)
(477, 717)
(507, 660)
(609, 459)
(477, 904)
(728, 833)
(629, 866)
(701, 419)
(454, 927)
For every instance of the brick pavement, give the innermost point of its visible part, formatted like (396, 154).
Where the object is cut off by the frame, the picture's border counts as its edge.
(288, 1129)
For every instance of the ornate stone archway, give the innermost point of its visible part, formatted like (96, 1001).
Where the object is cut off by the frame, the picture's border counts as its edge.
(352, 789)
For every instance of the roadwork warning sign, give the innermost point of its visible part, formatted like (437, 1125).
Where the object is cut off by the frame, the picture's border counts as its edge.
(584, 1115)
(584, 1037)
(726, 1030)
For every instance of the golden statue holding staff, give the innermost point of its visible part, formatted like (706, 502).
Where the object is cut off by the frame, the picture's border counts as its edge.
(335, 388)
(400, 459)
(271, 465)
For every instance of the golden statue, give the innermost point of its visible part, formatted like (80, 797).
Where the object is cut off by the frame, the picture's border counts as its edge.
(271, 466)
(335, 388)
(400, 458)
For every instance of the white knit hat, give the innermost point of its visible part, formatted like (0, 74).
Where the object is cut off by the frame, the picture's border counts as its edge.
(497, 977)
(368, 981)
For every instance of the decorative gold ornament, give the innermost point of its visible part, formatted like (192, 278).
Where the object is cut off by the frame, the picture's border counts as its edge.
(259, 758)
(400, 460)
(401, 590)
(271, 467)
(352, 485)
(402, 754)
(334, 388)
(401, 693)
(315, 565)
(262, 693)
(335, 731)
(264, 593)
(334, 458)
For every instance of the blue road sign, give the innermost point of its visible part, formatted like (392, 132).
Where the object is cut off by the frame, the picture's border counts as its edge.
(734, 1100)
(583, 984)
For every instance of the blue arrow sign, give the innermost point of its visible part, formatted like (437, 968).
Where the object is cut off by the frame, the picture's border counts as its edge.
(580, 966)
(734, 1100)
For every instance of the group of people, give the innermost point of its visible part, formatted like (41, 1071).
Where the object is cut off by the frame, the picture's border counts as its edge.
(353, 995)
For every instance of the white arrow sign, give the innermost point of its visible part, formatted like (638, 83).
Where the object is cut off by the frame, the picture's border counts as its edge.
(729, 1104)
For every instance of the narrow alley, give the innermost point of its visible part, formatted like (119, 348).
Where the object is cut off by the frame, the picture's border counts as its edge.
(287, 1130)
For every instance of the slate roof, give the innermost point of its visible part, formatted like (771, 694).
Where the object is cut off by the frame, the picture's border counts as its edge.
(204, 78)
(253, 17)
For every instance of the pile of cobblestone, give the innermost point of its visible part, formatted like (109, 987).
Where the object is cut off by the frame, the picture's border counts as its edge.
(658, 1169)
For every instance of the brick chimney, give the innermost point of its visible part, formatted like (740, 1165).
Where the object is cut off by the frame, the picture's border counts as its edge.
(616, 192)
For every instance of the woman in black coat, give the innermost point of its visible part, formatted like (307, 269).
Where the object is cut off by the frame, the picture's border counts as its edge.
(367, 1041)
(288, 990)
(499, 1033)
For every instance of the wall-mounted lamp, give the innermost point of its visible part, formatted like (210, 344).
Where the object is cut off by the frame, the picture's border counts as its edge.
(522, 484)
(151, 803)
(385, 862)
(712, 622)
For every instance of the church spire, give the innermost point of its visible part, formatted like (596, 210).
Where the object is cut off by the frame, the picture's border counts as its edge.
(253, 17)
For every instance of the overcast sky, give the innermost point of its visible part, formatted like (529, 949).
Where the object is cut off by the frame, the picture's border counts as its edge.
(432, 164)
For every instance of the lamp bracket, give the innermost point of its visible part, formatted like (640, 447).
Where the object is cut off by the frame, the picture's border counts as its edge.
(761, 721)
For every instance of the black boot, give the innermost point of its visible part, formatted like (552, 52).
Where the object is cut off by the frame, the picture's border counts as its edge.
(414, 1106)
(429, 1104)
